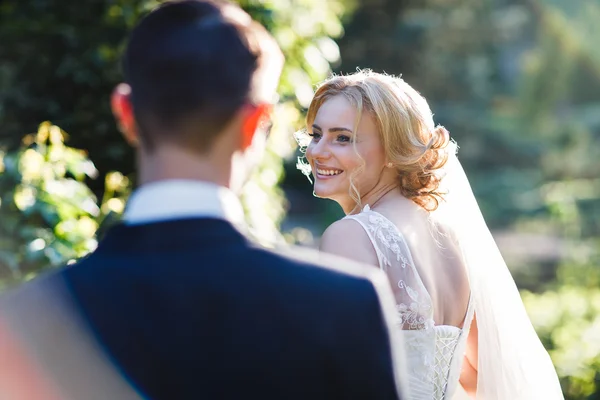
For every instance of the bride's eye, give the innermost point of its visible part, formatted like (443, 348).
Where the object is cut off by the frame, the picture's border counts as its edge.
(344, 138)
(315, 135)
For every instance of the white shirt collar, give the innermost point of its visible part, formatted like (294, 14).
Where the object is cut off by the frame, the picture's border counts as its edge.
(177, 199)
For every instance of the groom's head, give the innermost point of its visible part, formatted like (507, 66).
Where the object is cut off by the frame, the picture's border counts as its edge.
(200, 77)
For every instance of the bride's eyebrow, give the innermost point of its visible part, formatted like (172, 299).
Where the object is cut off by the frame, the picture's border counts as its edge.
(333, 129)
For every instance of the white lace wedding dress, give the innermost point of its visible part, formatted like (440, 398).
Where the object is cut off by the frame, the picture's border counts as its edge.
(434, 352)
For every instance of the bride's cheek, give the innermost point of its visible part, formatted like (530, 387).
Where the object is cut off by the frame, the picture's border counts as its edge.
(309, 155)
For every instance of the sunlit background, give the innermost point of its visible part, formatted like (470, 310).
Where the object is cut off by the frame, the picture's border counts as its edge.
(517, 83)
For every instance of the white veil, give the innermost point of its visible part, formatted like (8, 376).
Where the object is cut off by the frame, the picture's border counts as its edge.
(512, 363)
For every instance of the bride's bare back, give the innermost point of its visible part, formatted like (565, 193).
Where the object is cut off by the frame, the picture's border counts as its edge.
(436, 257)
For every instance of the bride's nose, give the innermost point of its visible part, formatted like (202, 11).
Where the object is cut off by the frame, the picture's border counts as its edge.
(318, 151)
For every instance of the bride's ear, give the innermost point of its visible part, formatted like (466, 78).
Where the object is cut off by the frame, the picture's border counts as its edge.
(122, 109)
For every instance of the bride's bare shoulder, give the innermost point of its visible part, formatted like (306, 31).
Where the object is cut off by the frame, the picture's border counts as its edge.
(347, 238)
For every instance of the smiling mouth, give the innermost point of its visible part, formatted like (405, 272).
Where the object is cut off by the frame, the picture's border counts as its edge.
(322, 172)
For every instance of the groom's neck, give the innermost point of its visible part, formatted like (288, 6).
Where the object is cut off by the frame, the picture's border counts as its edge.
(176, 163)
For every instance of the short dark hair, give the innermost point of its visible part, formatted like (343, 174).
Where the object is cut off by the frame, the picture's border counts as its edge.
(190, 68)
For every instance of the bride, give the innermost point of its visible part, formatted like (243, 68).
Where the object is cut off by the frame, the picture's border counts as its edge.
(374, 149)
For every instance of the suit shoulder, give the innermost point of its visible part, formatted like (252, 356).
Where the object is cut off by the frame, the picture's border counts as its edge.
(350, 283)
(328, 266)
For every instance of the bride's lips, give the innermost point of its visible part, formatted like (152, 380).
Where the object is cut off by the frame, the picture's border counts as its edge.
(321, 172)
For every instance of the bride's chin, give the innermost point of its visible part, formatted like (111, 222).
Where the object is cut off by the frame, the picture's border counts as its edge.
(316, 193)
(322, 194)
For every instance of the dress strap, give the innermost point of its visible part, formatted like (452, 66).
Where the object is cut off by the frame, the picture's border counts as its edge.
(413, 301)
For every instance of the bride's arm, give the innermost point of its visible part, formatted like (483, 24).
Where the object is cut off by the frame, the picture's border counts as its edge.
(348, 239)
(468, 376)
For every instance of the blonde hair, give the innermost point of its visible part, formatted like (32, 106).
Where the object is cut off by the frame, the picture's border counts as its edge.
(411, 141)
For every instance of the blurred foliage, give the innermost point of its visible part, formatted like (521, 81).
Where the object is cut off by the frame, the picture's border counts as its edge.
(560, 105)
(568, 323)
(61, 64)
(48, 214)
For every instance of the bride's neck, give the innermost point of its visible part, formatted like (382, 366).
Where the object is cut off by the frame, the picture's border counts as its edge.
(375, 197)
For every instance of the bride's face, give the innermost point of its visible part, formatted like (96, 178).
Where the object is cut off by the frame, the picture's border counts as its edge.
(333, 156)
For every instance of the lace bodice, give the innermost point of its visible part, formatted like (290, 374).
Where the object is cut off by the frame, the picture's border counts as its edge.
(434, 353)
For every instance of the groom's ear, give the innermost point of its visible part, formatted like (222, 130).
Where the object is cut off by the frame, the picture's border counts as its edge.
(122, 109)
(255, 116)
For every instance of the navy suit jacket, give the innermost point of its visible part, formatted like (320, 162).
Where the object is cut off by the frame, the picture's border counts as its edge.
(190, 309)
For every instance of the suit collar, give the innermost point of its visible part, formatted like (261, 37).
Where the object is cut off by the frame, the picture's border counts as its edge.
(173, 235)
(179, 199)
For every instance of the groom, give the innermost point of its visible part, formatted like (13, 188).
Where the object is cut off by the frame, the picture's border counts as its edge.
(179, 301)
